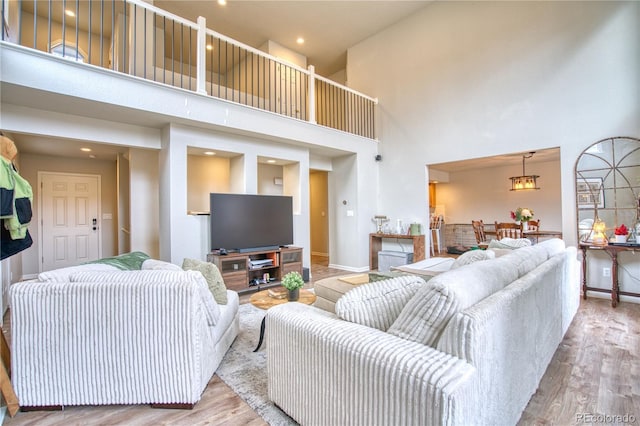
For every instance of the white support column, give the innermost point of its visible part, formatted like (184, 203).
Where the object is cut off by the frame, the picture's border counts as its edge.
(312, 94)
(201, 58)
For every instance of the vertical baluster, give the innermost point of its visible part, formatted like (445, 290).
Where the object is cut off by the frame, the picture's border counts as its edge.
(35, 24)
(102, 33)
(226, 69)
(64, 28)
(113, 32)
(134, 49)
(2, 4)
(48, 24)
(212, 63)
(144, 44)
(219, 66)
(173, 54)
(89, 35)
(271, 91)
(77, 30)
(180, 49)
(163, 60)
(188, 59)
(264, 84)
(231, 84)
(125, 67)
(154, 53)
(246, 74)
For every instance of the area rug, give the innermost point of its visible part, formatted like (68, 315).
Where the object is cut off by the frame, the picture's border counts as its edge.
(245, 371)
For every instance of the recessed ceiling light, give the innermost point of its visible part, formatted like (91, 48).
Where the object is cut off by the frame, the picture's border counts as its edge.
(209, 153)
(271, 161)
(209, 47)
(300, 40)
(69, 12)
(92, 156)
(222, 2)
(85, 149)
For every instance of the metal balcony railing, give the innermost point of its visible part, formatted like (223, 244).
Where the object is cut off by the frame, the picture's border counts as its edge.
(136, 38)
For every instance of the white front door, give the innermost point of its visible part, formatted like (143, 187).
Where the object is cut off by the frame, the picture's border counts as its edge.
(69, 219)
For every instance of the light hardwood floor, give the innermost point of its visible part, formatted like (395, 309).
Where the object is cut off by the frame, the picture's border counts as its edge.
(596, 370)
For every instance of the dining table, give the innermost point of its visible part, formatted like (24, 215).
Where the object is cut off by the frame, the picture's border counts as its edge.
(532, 234)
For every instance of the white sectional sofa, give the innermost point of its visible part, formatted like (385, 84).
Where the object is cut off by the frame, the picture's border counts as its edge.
(95, 335)
(467, 347)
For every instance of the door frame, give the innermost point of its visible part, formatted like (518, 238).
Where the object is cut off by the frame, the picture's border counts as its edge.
(40, 219)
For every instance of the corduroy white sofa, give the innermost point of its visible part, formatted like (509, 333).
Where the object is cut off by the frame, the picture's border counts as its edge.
(105, 336)
(467, 347)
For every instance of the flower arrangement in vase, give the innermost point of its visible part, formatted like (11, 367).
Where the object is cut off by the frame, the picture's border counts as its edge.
(522, 215)
(621, 234)
(293, 282)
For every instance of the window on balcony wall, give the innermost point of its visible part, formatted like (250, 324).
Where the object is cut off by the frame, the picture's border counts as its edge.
(67, 50)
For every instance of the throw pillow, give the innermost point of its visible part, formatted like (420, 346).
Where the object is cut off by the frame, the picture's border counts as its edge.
(378, 304)
(212, 275)
(423, 318)
(427, 314)
(471, 257)
(159, 265)
(510, 243)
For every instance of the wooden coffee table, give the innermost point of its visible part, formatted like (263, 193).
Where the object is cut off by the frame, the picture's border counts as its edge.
(262, 300)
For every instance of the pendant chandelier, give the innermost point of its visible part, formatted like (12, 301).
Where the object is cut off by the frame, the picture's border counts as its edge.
(524, 182)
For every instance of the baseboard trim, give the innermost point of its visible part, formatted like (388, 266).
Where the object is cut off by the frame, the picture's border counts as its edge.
(28, 408)
(349, 268)
(174, 406)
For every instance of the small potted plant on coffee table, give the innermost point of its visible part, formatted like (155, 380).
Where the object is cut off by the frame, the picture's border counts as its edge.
(293, 282)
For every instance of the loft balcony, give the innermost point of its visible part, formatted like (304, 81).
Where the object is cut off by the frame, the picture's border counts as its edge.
(139, 39)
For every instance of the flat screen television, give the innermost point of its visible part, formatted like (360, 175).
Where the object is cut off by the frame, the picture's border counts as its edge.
(246, 222)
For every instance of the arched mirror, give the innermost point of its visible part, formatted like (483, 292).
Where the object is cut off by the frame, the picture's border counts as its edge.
(608, 187)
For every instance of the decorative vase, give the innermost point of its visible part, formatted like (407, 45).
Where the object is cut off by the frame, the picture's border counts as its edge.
(621, 238)
(293, 295)
(525, 226)
(517, 222)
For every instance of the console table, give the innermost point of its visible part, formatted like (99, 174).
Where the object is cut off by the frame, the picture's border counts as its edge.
(375, 245)
(612, 250)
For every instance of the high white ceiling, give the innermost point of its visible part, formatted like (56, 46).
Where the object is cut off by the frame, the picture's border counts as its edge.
(539, 156)
(328, 27)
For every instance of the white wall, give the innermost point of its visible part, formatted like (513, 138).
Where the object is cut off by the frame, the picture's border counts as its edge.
(484, 194)
(30, 166)
(186, 235)
(461, 80)
(204, 176)
(144, 203)
(266, 175)
(353, 189)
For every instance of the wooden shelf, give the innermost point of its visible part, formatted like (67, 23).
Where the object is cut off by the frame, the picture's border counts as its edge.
(237, 272)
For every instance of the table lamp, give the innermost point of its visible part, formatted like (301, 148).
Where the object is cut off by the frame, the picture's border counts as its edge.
(599, 238)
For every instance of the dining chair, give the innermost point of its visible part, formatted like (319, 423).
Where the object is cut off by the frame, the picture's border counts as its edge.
(478, 230)
(435, 225)
(508, 229)
(534, 225)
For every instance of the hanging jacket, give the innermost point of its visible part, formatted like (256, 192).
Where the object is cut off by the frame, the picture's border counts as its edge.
(6, 188)
(16, 198)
